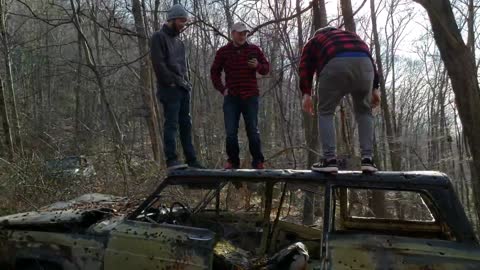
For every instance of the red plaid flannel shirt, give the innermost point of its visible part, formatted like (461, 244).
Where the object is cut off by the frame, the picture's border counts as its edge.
(322, 48)
(240, 79)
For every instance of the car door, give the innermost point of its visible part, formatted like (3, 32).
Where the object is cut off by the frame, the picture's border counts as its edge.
(300, 218)
(142, 245)
(407, 236)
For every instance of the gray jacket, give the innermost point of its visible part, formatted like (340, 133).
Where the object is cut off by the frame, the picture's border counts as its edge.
(168, 59)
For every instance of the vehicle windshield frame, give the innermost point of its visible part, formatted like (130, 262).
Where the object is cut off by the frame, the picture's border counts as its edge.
(436, 184)
(212, 184)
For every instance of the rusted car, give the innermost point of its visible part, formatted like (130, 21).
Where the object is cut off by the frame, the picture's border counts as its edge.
(68, 167)
(218, 219)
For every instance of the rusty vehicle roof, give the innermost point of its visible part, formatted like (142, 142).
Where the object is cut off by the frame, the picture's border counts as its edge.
(404, 178)
(438, 184)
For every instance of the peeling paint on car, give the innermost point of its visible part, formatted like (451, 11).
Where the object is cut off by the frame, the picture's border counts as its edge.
(369, 251)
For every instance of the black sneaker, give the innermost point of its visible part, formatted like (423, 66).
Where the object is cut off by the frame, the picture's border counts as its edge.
(368, 166)
(328, 166)
(175, 165)
(195, 165)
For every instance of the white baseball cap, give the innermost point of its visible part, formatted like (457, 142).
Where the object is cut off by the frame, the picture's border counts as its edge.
(240, 27)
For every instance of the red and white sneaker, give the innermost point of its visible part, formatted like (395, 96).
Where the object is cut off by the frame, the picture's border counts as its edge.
(259, 166)
(230, 166)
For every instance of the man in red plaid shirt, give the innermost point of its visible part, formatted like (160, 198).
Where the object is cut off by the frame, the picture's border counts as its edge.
(344, 66)
(240, 60)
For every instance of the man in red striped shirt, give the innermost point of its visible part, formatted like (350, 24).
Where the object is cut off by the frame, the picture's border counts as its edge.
(344, 66)
(240, 60)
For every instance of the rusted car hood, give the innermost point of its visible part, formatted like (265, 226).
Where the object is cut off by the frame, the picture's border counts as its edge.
(91, 200)
(42, 218)
(82, 211)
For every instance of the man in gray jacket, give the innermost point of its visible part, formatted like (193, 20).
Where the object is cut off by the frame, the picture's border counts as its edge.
(170, 65)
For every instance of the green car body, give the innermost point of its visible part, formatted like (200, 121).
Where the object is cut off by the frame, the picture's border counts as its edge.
(193, 221)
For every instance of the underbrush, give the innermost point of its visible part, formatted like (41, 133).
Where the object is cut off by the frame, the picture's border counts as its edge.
(25, 184)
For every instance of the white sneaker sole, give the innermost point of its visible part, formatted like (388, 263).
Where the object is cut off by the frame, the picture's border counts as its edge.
(369, 169)
(177, 167)
(326, 169)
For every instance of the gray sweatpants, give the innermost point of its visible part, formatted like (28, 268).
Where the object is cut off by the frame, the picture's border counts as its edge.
(342, 76)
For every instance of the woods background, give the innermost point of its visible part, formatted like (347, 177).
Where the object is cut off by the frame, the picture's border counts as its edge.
(76, 80)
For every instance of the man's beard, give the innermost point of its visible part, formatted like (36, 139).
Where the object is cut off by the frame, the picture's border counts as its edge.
(177, 27)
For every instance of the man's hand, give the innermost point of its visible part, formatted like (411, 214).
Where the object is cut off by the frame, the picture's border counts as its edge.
(376, 98)
(307, 104)
(225, 92)
(253, 63)
(182, 83)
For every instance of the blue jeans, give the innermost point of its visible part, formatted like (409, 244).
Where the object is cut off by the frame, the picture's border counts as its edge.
(176, 111)
(233, 107)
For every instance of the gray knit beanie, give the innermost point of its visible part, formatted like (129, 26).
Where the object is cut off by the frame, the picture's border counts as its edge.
(176, 11)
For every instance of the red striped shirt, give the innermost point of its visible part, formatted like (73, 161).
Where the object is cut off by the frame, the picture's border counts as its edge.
(240, 79)
(322, 48)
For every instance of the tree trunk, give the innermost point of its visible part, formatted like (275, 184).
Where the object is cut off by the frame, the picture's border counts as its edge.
(321, 17)
(461, 69)
(78, 87)
(148, 100)
(393, 147)
(156, 21)
(345, 121)
(228, 15)
(378, 197)
(9, 80)
(471, 27)
(299, 25)
(5, 123)
(347, 14)
(310, 122)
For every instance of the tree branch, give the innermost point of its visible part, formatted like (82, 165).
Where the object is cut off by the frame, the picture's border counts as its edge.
(280, 20)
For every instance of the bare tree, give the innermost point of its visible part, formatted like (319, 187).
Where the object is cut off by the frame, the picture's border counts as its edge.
(18, 146)
(6, 123)
(145, 80)
(393, 145)
(461, 69)
(347, 13)
(92, 65)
